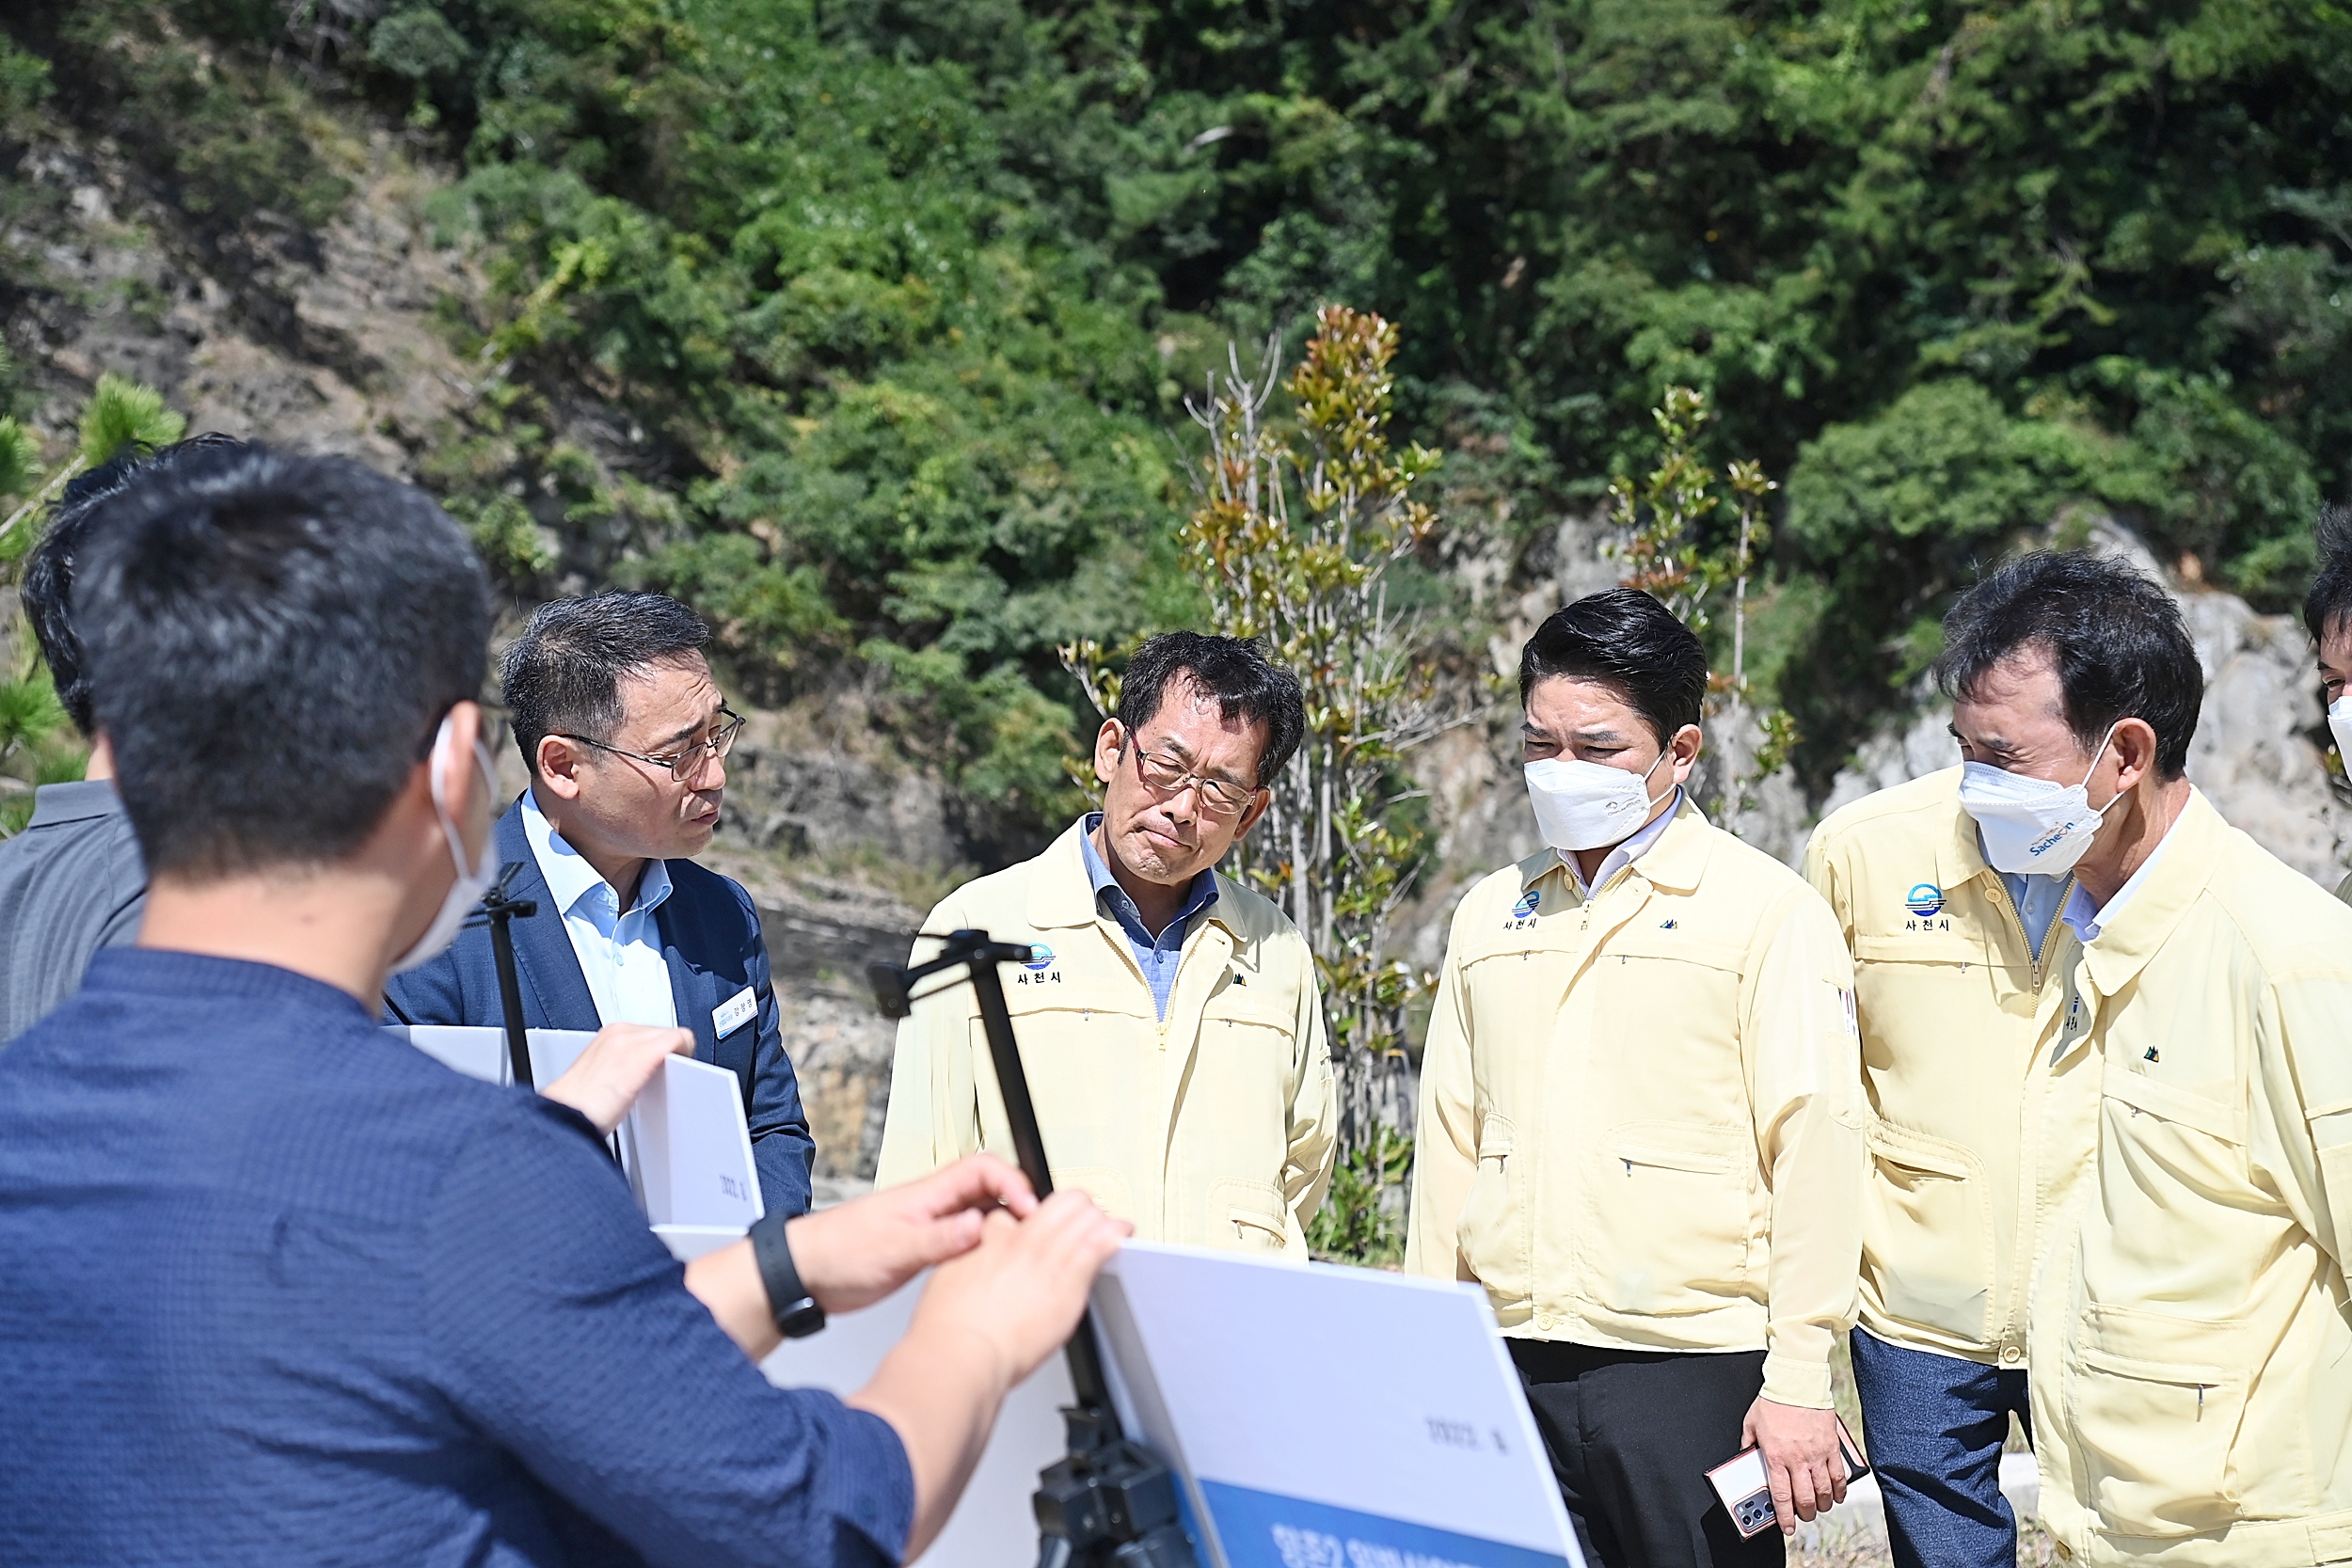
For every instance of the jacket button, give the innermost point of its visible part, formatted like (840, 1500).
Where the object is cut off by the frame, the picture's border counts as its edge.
(2011, 1355)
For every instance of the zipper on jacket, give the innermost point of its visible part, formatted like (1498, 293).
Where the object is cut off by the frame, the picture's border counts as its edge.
(2041, 957)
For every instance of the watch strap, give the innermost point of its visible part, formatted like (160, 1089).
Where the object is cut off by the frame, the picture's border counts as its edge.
(796, 1311)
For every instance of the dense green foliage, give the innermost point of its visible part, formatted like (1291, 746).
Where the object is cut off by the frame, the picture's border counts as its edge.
(901, 292)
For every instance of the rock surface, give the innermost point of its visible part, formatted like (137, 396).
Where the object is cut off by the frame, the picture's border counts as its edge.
(2256, 754)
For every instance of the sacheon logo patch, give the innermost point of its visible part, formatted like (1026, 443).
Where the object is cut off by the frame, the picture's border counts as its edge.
(1528, 903)
(1925, 900)
(1041, 957)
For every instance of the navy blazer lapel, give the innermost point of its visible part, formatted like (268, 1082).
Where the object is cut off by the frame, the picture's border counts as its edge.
(544, 960)
(690, 990)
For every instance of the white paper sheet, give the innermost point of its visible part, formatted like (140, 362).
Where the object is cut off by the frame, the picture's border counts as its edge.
(685, 1145)
(694, 1148)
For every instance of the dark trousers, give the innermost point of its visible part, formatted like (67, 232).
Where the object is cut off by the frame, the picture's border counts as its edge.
(1936, 1426)
(1632, 1435)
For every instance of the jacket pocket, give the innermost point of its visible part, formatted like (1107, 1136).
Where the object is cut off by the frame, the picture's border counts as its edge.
(1247, 1215)
(1671, 1212)
(1493, 1231)
(2155, 1402)
(1926, 1241)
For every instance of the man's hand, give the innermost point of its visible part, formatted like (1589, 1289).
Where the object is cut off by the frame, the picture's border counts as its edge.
(1800, 1448)
(853, 1254)
(605, 1080)
(1022, 1288)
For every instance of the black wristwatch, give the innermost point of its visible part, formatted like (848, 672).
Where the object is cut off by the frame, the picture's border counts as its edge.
(797, 1315)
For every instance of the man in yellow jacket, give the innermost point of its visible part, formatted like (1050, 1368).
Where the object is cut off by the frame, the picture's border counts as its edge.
(1978, 1129)
(2191, 1352)
(1172, 1027)
(1639, 1124)
(2328, 616)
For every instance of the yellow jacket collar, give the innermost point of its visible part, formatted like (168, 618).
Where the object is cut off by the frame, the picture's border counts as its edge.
(2191, 852)
(1062, 894)
(1675, 860)
(1962, 856)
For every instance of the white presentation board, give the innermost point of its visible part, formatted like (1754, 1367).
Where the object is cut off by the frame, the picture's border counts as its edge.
(1330, 1417)
(992, 1525)
(1318, 1417)
(685, 1145)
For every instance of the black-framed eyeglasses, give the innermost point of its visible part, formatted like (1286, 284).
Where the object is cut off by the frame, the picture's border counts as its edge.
(1166, 776)
(685, 764)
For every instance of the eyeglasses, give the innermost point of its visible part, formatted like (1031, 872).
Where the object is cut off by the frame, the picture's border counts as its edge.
(687, 762)
(1168, 776)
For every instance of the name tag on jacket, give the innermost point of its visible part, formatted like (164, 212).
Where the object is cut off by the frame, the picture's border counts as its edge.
(735, 1012)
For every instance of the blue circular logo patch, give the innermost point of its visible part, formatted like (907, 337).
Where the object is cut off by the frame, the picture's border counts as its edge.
(1924, 900)
(1528, 901)
(1040, 957)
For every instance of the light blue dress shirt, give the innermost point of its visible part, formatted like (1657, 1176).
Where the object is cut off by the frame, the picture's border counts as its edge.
(619, 951)
(1157, 956)
(2038, 899)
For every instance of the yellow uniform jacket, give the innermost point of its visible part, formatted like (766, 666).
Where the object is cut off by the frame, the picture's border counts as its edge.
(1979, 1133)
(1214, 1129)
(2192, 1352)
(1640, 1122)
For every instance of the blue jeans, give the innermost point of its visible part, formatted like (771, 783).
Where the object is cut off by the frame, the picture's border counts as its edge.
(1934, 1426)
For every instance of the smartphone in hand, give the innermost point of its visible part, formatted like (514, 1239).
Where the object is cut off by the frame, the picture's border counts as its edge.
(1746, 1488)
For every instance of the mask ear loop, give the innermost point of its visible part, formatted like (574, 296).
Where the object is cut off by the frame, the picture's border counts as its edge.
(2085, 786)
(440, 799)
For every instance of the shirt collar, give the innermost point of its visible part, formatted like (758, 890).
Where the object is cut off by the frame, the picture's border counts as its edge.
(1626, 853)
(1202, 894)
(571, 879)
(75, 800)
(2088, 919)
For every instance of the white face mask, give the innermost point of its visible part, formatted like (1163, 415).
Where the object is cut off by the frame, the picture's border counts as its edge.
(1584, 805)
(472, 883)
(2339, 726)
(2032, 827)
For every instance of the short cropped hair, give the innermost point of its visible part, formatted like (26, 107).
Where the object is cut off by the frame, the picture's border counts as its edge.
(2115, 637)
(47, 588)
(562, 675)
(1246, 684)
(1625, 640)
(272, 642)
(2329, 604)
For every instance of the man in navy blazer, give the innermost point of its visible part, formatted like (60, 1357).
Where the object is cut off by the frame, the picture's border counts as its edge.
(625, 735)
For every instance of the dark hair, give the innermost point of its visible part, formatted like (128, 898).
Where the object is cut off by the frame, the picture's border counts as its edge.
(2330, 602)
(1626, 640)
(564, 674)
(1246, 684)
(2115, 637)
(47, 588)
(271, 642)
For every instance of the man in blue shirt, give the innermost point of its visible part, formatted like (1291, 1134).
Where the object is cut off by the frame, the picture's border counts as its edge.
(275, 1288)
(626, 736)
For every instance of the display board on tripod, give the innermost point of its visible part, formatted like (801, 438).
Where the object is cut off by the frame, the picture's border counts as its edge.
(1330, 1417)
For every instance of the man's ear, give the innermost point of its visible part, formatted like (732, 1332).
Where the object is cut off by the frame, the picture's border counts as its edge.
(1110, 741)
(1685, 746)
(560, 761)
(1251, 814)
(2133, 744)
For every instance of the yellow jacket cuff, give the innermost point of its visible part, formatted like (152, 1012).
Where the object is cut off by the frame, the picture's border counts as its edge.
(1789, 1381)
